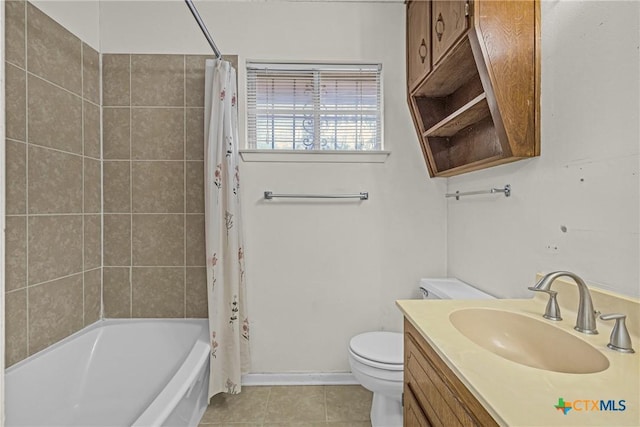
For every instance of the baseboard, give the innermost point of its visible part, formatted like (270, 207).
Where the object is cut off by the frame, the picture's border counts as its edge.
(303, 378)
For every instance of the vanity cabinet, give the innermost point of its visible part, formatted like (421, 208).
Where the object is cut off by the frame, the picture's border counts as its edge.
(433, 394)
(478, 103)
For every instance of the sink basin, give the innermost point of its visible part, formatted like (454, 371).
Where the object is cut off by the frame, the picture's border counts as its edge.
(528, 341)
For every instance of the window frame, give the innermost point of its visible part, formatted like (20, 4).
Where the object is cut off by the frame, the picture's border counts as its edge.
(315, 155)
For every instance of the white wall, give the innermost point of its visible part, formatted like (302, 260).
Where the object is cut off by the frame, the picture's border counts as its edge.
(587, 178)
(318, 272)
(80, 17)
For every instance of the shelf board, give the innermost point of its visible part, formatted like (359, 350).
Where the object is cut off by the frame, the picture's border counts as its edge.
(470, 113)
(453, 70)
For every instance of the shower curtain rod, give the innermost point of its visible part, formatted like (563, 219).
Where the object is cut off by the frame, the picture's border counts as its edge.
(203, 27)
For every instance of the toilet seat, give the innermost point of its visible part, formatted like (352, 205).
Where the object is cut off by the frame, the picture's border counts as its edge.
(382, 350)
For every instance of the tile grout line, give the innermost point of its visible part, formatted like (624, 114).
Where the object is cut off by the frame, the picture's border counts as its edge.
(26, 166)
(326, 411)
(130, 192)
(82, 119)
(184, 175)
(101, 126)
(266, 409)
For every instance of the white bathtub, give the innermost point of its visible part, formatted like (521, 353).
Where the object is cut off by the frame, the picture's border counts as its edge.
(115, 373)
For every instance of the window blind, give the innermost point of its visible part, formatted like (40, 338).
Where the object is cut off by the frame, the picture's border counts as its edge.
(314, 107)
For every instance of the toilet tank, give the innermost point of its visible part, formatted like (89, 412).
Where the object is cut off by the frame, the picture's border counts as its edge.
(450, 288)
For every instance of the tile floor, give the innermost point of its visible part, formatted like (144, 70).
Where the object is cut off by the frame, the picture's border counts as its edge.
(291, 406)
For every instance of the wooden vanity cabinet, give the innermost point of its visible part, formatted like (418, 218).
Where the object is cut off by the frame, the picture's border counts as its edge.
(479, 103)
(433, 394)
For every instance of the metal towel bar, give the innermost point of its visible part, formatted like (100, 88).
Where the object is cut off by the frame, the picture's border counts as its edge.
(506, 190)
(268, 195)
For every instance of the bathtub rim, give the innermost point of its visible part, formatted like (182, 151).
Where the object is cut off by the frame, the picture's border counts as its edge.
(96, 325)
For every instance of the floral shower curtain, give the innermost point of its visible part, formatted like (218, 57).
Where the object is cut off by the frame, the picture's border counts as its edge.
(228, 322)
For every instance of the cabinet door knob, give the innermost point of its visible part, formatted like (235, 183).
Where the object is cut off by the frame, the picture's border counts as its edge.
(423, 48)
(440, 27)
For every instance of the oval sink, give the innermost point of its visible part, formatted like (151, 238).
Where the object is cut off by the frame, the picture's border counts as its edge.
(528, 341)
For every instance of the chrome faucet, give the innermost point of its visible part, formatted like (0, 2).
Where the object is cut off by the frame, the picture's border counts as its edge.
(586, 321)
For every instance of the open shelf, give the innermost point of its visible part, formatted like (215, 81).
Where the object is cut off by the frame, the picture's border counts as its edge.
(470, 144)
(472, 112)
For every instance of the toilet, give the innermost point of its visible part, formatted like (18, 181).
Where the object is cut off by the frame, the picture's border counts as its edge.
(376, 358)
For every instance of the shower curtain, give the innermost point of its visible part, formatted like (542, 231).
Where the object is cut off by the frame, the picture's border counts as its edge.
(228, 322)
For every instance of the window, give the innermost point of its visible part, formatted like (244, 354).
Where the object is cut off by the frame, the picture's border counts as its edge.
(314, 107)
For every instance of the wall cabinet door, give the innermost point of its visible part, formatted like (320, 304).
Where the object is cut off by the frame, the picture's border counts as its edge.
(449, 22)
(418, 41)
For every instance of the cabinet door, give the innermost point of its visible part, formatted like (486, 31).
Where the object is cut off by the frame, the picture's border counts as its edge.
(449, 22)
(418, 43)
(413, 415)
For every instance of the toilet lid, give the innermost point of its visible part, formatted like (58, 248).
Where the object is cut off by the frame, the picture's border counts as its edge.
(383, 347)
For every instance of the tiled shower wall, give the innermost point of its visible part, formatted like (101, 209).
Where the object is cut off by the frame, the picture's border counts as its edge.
(152, 160)
(53, 248)
(153, 186)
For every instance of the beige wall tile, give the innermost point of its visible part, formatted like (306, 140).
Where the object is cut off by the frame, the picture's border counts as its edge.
(91, 119)
(194, 149)
(195, 187)
(15, 98)
(195, 240)
(55, 247)
(90, 74)
(54, 311)
(55, 116)
(15, 327)
(117, 187)
(195, 79)
(116, 133)
(158, 240)
(16, 253)
(53, 52)
(117, 240)
(158, 187)
(92, 180)
(117, 292)
(196, 290)
(92, 242)
(157, 133)
(55, 182)
(14, 31)
(157, 292)
(115, 80)
(16, 185)
(92, 295)
(157, 80)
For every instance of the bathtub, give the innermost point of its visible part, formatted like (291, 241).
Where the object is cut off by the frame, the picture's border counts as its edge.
(115, 373)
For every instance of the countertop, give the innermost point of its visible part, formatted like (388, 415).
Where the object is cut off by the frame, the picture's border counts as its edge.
(518, 395)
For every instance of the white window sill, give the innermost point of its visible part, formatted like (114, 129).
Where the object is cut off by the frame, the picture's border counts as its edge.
(297, 156)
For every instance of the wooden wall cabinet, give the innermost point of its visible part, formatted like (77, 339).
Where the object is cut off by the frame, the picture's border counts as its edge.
(418, 41)
(433, 394)
(477, 104)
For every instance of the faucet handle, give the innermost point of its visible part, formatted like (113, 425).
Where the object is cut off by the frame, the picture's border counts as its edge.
(620, 339)
(552, 311)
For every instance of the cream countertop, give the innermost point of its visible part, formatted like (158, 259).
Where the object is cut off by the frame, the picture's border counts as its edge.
(518, 395)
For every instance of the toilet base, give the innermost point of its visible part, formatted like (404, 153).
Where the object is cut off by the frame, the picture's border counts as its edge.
(386, 411)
